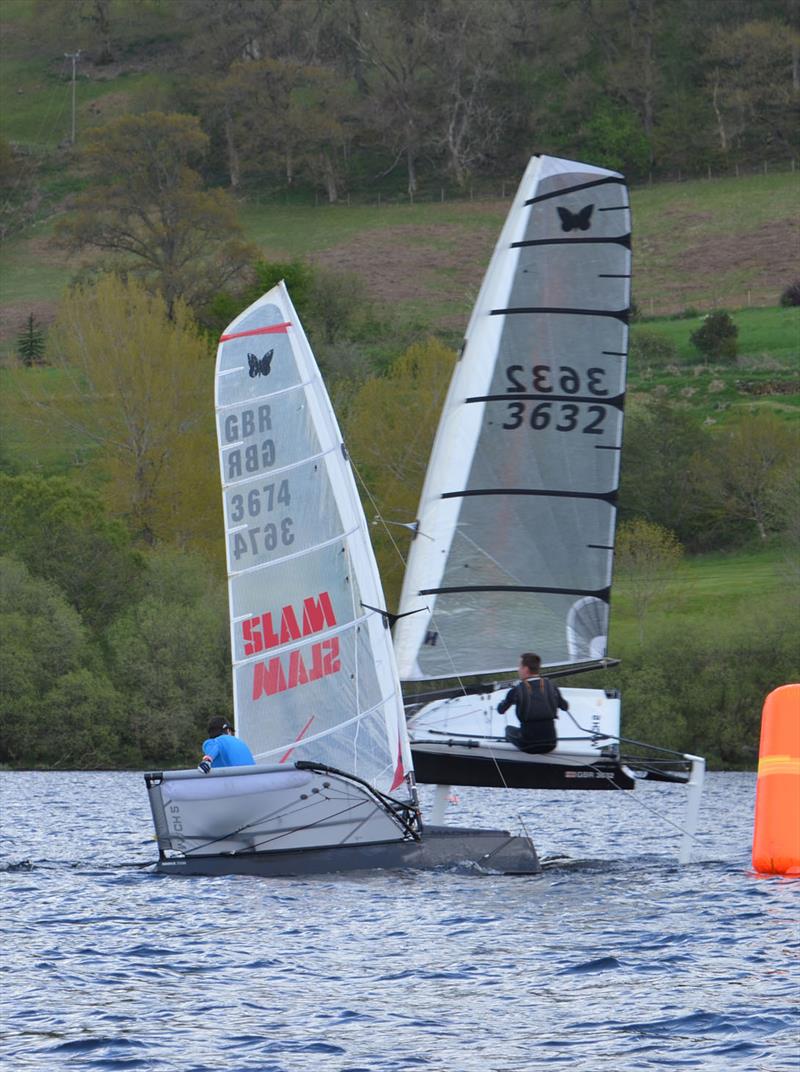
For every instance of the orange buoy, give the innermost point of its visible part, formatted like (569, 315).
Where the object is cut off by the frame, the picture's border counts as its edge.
(776, 830)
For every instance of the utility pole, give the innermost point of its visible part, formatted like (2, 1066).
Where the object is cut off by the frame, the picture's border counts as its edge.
(74, 57)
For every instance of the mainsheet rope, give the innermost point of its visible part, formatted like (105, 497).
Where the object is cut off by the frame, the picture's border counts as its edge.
(588, 764)
(454, 675)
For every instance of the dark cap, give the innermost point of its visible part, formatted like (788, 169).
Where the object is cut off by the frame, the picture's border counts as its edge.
(218, 725)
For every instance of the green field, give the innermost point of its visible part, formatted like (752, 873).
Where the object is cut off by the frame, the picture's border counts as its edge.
(765, 374)
(725, 589)
(763, 333)
(726, 242)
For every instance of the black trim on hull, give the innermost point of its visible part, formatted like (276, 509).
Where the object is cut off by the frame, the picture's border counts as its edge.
(440, 847)
(452, 768)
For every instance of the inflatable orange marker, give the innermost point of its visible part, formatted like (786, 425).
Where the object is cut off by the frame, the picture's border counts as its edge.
(776, 831)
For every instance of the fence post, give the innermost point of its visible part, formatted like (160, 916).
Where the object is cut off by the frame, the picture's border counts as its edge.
(503, 194)
(443, 193)
(709, 171)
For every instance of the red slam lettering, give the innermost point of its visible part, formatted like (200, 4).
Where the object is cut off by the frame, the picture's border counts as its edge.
(259, 633)
(279, 674)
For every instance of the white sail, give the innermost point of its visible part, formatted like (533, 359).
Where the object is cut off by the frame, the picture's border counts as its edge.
(516, 522)
(313, 667)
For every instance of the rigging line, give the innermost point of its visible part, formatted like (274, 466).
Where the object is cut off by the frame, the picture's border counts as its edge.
(309, 826)
(654, 811)
(261, 756)
(376, 508)
(460, 681)
(437, 401)
(593, 766)
(629, 740)
(281, 812)
(484, 553)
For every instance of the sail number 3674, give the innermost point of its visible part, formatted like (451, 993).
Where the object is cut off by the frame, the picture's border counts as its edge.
(261, 500)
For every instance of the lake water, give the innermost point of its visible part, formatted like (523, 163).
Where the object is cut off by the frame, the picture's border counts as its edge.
(615, 958)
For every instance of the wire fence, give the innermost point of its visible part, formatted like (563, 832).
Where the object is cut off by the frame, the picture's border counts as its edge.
(430, 191)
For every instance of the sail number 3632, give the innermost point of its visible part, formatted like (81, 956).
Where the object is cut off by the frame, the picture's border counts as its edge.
(563, 416)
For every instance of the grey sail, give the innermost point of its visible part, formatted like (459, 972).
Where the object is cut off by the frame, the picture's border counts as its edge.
(517, 518)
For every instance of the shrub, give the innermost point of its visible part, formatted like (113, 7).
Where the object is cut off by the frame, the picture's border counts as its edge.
(716, 336)
(650, 348)
(791, 295)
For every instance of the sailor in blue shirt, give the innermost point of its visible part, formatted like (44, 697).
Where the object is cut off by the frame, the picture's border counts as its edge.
(222, 749)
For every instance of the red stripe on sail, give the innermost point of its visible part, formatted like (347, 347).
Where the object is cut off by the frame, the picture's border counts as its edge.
(299, 737)
(273, 329)
(399, 773)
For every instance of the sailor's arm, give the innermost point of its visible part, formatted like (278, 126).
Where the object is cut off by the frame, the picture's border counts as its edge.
(504, 705)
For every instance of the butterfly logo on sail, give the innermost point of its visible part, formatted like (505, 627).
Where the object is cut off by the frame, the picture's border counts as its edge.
(260, 366)
(576, 221)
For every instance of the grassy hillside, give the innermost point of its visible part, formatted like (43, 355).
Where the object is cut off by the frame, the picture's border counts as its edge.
(729, 242)
(765, 375)
(724, 588)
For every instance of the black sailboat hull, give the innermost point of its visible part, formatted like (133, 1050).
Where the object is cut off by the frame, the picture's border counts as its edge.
(439, 847)
(444, 766)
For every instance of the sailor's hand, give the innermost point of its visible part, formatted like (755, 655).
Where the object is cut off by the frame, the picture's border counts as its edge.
(205, 766)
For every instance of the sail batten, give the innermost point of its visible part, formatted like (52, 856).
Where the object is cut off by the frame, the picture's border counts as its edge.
(520, 499)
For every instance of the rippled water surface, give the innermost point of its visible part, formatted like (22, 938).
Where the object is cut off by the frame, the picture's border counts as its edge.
(614, 958)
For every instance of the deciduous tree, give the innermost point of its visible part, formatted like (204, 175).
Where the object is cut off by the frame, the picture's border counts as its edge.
(142, 391)
(749, 471)
(753, 85)
(63, 535)
(661, 441)
(645, 558)
(390, 428)
(169, 658)
(146, 203)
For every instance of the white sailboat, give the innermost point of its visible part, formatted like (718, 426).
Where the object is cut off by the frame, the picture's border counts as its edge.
(316, 691)
(514, 540)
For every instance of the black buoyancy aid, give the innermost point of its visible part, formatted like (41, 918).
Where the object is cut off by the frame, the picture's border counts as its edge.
(537, 701)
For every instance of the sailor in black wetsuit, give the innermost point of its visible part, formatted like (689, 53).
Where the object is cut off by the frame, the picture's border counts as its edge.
(537, 701)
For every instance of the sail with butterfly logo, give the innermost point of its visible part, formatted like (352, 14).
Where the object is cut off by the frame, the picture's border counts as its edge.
(516, 525)
(315, 688)
(514, 539)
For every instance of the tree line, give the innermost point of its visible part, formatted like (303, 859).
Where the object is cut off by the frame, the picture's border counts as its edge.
(341, 95)
(112, 602)
(114, 615)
